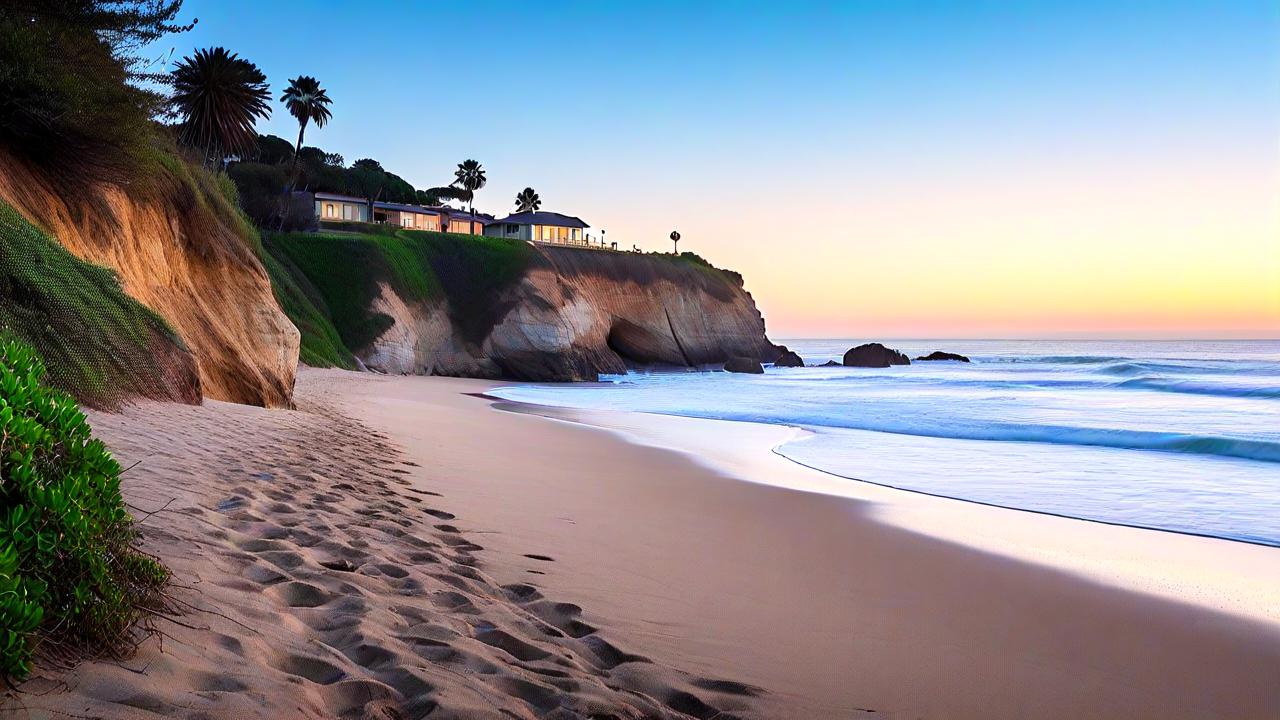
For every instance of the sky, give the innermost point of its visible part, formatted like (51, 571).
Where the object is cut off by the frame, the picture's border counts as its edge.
(875, 169)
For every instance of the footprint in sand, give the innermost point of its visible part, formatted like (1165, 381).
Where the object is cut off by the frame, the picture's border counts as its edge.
(310, 668)
(300, 594)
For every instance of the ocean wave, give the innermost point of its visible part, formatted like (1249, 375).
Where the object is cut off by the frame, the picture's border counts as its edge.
(1050, 359)
(1192, 387)
(1124, 366)
(1155, 383)
(1227, 447)
(1125, 369)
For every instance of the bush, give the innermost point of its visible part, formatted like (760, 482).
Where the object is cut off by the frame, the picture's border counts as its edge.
(260, 188)
(67, 103)
(68, 566)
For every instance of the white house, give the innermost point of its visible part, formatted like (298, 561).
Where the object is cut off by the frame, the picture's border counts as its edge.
(548, 227)
(339, 208)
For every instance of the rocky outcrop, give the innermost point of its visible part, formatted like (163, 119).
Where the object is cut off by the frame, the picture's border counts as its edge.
(182, 250)
(874, 355)
(575, 314)
(788, 358)
(940, 355)
(743, 365)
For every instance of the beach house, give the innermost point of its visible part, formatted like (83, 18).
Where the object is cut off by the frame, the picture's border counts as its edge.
(335, 208)
(331, 207)
(548, 227)
(410, 217)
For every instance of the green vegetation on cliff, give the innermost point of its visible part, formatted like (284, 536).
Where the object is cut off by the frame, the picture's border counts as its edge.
(99, 344)
(70, 573)
(326, 282)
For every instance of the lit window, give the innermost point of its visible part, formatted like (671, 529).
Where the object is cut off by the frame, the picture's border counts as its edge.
(329, 210)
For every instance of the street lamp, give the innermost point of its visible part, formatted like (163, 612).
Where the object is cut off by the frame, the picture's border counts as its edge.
(675, 242)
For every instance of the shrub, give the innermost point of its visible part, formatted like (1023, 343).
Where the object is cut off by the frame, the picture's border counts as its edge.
(68, 102)
(260, 188)
(69, 570)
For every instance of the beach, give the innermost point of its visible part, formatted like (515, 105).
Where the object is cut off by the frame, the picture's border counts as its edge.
(406, 546)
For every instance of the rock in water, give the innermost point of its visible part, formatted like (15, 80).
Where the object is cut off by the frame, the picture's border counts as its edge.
(788, 358)
(939, 355)
(744, 365)
(831, 363)
(874, 355)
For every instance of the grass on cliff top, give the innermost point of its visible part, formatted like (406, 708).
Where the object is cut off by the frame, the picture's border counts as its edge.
(95, 340)
(326, 283)
(70, 572)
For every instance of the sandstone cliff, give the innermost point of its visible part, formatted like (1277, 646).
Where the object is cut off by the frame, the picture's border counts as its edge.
(180, 248)
(552, 313)
(578, 313)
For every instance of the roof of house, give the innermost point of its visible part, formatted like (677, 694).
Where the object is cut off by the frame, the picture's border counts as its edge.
(335, 196)
(406, 208)
(544, 218)
(463, 215)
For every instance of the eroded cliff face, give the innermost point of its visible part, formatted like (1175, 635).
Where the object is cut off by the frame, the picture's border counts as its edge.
(190, 264)
(577, 313)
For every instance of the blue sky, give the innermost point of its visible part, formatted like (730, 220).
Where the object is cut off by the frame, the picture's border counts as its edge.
(841, 152)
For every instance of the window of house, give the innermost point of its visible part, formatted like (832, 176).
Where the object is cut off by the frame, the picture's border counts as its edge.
(346, 212)
(329, 210)
(512, 229)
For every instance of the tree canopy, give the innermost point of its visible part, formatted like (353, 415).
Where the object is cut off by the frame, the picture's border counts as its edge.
(220, 97)
(75, 96)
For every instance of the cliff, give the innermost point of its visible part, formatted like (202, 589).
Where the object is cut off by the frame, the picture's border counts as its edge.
(163, 290)
(196, 316)
(429, 303)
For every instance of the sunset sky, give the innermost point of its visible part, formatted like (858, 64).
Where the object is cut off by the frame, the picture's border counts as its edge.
(875, 169)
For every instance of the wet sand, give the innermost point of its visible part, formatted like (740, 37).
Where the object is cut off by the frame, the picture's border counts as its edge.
(845, 598)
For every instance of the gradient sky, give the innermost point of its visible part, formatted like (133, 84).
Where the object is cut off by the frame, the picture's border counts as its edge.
(875, 169)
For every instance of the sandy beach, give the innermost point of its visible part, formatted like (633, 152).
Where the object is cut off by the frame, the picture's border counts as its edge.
(405, 547)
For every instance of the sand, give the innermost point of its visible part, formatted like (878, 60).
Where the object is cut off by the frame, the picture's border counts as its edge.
(399, 547)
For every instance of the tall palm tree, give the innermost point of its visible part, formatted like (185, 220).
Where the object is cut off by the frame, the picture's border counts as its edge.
(470, 177)
(527, 200)
(220, 96)
(307, 102)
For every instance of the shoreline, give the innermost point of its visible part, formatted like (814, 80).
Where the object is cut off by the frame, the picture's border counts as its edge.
(1233, 564)
(550, 411)
(1118, 610)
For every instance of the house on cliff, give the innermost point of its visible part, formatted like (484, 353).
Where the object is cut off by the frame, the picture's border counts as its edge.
(335, 208)
(548, 227)
(331, 207)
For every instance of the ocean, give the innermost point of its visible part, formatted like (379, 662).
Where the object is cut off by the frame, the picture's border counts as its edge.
(1181, 436)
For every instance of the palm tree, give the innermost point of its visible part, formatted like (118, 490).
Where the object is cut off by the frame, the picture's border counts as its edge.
(470, 177)
(307, 102)
(220, 96)
(527, 200)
